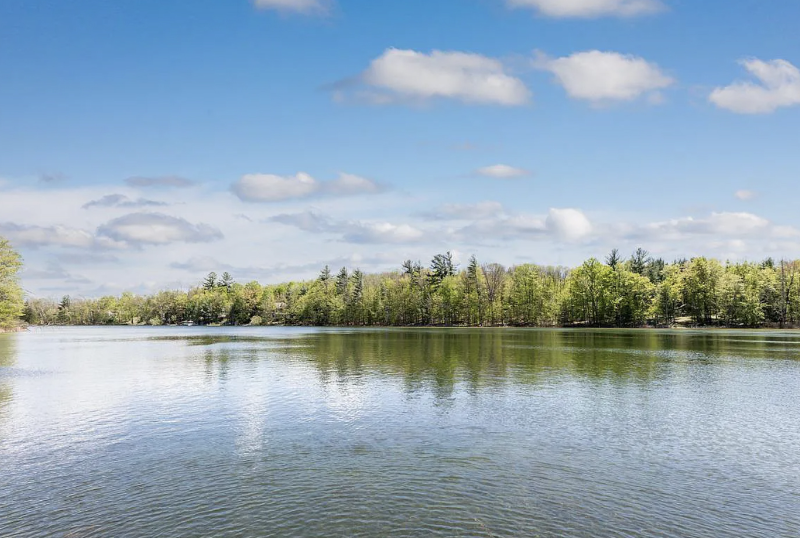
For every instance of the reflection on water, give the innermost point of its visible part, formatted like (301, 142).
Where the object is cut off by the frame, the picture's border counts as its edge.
(305, 432)
(441, 358)
(7, 357)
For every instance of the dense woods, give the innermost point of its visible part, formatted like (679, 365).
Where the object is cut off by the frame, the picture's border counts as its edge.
(616, 292)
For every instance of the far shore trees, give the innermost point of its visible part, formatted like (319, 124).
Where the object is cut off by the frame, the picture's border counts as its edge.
(634, 292)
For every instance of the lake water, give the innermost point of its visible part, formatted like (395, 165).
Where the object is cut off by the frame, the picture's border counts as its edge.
(302, 432)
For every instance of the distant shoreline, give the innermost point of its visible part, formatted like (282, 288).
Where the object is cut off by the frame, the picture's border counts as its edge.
(407, 327)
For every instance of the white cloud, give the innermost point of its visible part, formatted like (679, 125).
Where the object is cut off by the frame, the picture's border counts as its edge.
(407, 75)
(568, 224)
(96, 256)
(308, 221)
(348, 184)
(589, 8)
(383, 232)
(502, 229)
(481, 210)
(40, 236)
(157, 229)
(502, 171)
(778, 86)
(745, 195)
(564, 225)
(274, 188)
(353, 231)
(305, 7)
(120, 200)
(717, 224)
(600, 77)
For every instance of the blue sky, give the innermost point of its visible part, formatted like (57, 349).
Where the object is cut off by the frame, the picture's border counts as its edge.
(147, 142)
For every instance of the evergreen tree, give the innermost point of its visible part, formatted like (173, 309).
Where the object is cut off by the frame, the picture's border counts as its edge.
(210, 281)
(639, 261)
(442, 267)
(342, 280)
(226, 281)
(613, 259)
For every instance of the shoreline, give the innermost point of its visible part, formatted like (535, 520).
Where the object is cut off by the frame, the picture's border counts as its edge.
(430, 327)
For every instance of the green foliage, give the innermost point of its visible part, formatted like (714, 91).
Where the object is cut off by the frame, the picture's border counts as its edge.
(11, 296)
(638, 292)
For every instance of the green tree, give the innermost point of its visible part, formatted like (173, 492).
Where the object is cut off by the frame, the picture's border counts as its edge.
(700, 283)
(589, 297)
(11, 296)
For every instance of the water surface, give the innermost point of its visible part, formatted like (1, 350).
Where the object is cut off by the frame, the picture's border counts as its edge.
(304, 432)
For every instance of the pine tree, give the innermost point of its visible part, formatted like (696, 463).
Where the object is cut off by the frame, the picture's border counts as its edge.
(341, 282)
(210, 281)
(226, 281)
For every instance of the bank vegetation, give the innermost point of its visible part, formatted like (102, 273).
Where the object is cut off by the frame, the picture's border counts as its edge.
(639, 291)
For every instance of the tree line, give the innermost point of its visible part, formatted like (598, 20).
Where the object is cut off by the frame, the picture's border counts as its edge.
(635, 292)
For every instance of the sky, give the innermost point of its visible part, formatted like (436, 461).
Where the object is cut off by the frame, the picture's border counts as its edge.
(146, 143)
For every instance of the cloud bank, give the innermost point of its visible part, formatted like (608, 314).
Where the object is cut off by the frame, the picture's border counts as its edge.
(353, 231)
(274, 188)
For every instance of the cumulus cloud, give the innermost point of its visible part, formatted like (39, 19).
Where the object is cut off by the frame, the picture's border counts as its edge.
(304, 7)
(590, 8)
(157, 229)
(778, 85)
(163, 182)
(568, 224)
(274, 188)
(602, 77)
(502, 171)
(353, 231)
(745, 195)
(120, 200)
(410, 76)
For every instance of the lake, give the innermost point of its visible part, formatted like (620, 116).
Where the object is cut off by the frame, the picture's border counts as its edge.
(290, 432)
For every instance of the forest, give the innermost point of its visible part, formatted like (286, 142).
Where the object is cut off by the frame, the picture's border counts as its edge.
(639, 291)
